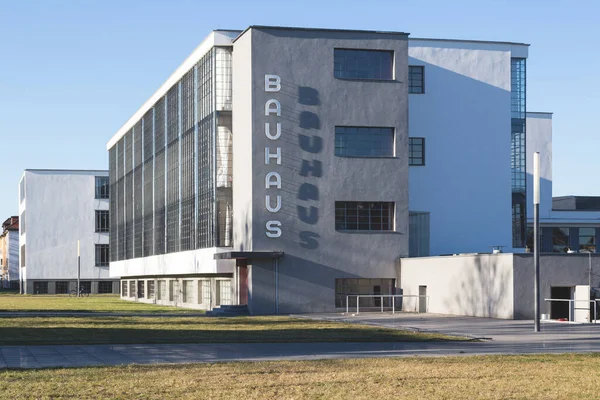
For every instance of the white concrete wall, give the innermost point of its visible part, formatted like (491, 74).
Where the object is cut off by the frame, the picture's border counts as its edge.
(539, 138)
(464, 116)
(199, 261)
(471, 285)
(12, 260)
(60, 209)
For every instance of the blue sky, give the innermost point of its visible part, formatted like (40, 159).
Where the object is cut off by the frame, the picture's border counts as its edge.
(72, 72)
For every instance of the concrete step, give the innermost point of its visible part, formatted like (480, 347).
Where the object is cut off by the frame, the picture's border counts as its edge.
(229, 311)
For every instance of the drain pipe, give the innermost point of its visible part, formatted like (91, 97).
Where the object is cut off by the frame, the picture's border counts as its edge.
(276, 286)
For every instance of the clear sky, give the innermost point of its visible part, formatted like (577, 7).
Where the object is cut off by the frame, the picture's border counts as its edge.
(73, 71)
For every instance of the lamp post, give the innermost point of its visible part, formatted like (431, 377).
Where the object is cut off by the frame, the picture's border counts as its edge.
(78, 268)
(536, 240)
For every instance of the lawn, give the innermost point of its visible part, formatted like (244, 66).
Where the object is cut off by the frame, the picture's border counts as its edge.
(141, 330)
(94, 303)
(485, 377)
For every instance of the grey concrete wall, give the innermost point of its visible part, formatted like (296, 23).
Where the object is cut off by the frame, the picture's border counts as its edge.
(555, 270)
(473, 285)
(313, 102)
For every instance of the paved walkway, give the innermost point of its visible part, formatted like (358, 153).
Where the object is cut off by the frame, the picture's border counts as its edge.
(503, 337)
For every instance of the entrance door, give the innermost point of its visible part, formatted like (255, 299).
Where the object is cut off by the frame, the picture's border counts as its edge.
(422, 300)
(242, 270)
(560, 309)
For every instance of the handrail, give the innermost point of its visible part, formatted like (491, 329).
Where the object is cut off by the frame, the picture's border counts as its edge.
(583, 308)
(358, 296)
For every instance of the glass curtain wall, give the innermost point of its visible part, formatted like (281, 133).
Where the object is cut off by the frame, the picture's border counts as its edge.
(518, 169)
(171, 173)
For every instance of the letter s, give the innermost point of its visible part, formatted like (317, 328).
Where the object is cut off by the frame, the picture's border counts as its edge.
(273, 229)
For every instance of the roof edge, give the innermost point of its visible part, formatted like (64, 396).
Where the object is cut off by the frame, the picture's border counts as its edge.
(469, 41)
(299, 28)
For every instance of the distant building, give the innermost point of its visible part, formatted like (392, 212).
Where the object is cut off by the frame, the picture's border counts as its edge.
(57, 208)
(9, 254)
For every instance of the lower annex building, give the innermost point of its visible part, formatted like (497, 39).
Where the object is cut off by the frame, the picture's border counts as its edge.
(276, 168)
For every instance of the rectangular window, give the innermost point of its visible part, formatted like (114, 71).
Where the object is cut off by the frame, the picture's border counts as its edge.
(105, 287)
(124, 288)
(22, 189)
(363, 64)
(22, 258)
(102, 221)
(102, 184)
(131, 288)
(141, 285)
(22, 222)
(416, 79)
(587, 239)
(150, 290)
(171, 290)
(102, 255)
(205, 295)
(223, 292)
(364, 216)
(188, 288)
(416, 151)
(86, 286)
(40, 287)
(560, 240)
(354, 141)
(61, 287)
(162, 290)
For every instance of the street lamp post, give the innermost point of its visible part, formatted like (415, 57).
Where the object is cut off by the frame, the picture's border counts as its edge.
(536, 239)
(78, 269)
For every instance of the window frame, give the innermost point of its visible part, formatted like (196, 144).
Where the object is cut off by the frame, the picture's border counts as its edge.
(391, 226)
(102, 285)
(98, 252)
(422, 82)
(411, 157)
(102, 221)
(392, 67)
(101, 190)
(358, 135)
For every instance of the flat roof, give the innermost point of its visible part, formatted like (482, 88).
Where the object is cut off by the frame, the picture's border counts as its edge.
(470, 41)
(66, 170)
(298, 28)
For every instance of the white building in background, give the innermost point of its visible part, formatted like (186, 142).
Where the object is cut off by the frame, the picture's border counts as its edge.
(56, 209)
(9, 253)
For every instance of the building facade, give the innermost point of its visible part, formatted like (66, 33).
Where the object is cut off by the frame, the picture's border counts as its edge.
(58, 209)
(9, 253)
(247, 178)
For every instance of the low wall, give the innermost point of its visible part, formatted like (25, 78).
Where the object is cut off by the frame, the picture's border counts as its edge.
(479, 285)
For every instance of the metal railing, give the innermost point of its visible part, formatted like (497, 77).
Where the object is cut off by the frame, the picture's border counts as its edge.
(382, 296)
(573, 308)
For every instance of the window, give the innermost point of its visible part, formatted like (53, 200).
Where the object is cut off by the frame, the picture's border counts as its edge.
(85, 286)
(150, 294)
(22, 258)
(105, 287)
(354, 141)
(204, 291)
(131, 288)
(171, 290)
(188, 291)
(416, 151)
(101, 220)
(102, 255)
(124, 288)
(364, 216)
(416, 79)
(102, 187)
(61, 287)
(587, 239)
(560, 240)
(363, 64)
(141, 285)
(40, 287)
(529, 241)
(22, 222)
(224, 292)
(162, 290)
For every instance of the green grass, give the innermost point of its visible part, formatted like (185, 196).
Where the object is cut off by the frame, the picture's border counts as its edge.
(94, 303)
(489, 377)
(132, 329)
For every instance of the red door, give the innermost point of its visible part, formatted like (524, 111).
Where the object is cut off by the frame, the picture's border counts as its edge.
(242, 268)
